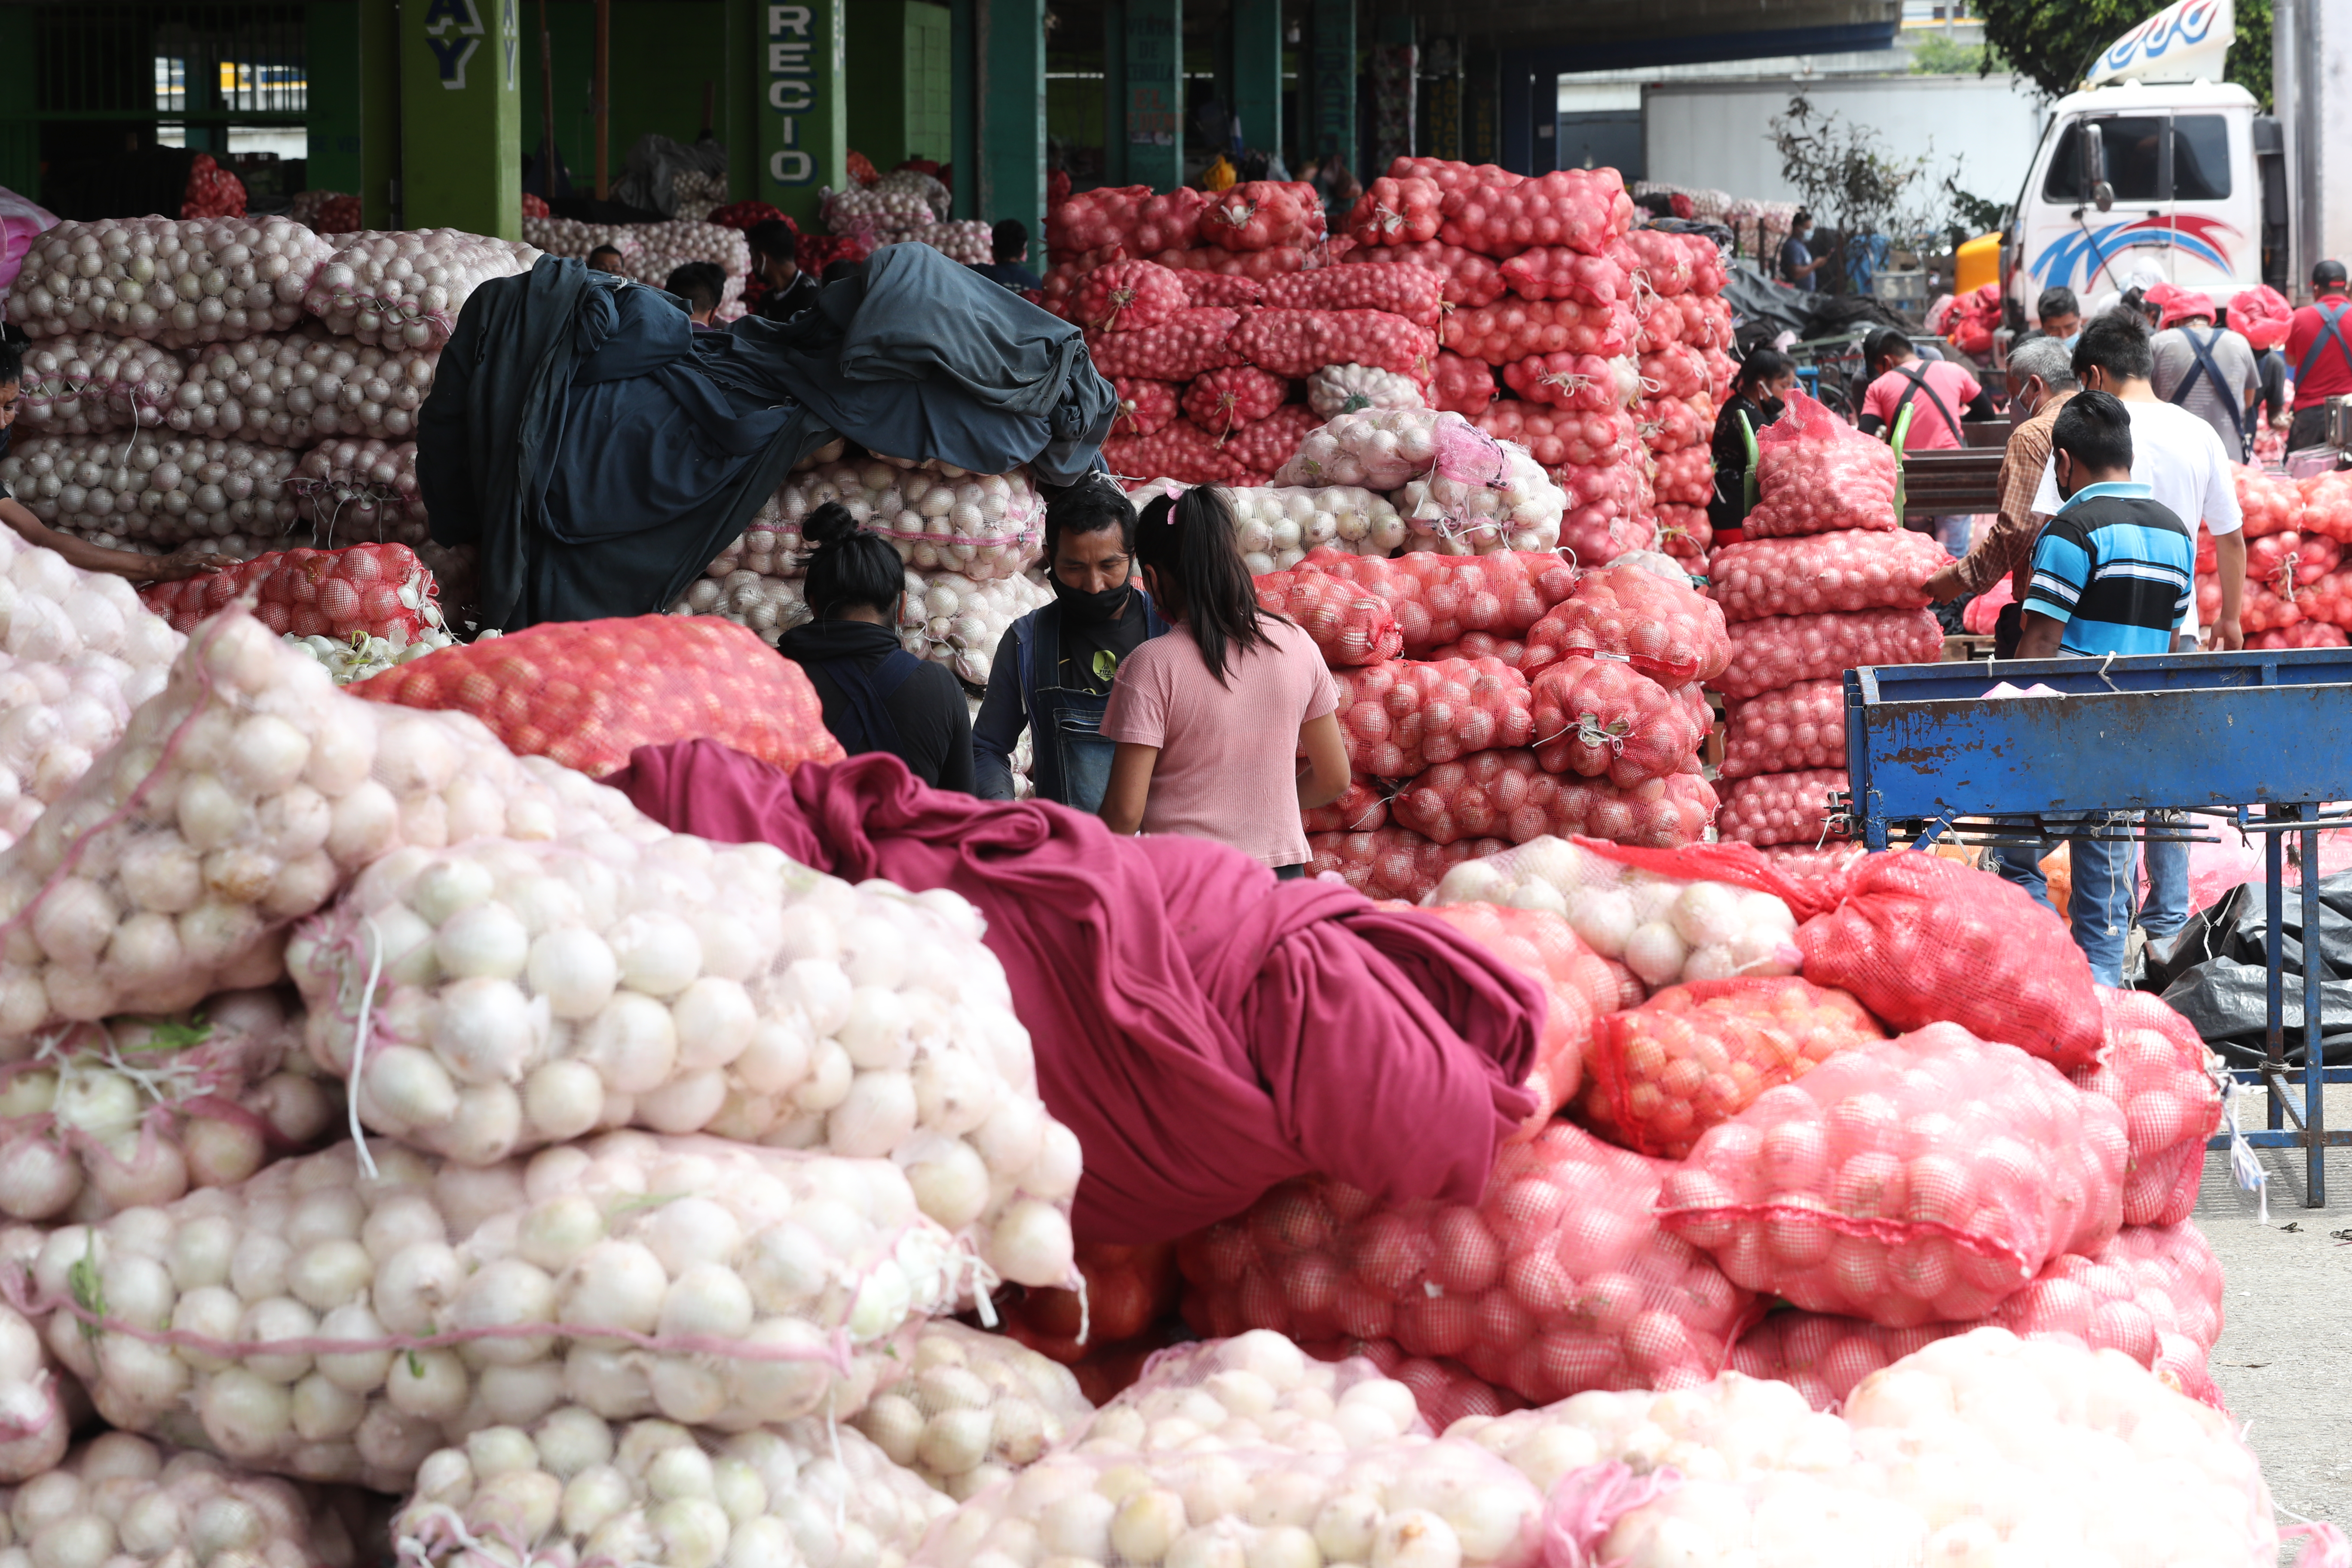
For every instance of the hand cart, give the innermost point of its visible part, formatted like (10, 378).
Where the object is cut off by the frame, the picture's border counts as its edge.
(1929, 755)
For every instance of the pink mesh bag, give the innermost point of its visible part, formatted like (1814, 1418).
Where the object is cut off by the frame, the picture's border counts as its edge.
(1604, 719)
(2152, 1066)
(1781, 650)
(1401, 717)
(1796, 727)
(1508, 795)
(1815, 473)
(1849, 570)
(1665, 631)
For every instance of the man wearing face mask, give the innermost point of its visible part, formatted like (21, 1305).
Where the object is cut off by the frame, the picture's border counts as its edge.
(1052, 674)
(2040, 381)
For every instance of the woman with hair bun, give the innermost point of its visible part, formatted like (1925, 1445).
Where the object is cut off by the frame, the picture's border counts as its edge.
(1227, 726)
(877, 697)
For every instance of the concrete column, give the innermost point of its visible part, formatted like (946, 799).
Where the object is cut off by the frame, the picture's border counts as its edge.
(803, 117)
(964, 78)
(1152, 123)
(1482, 107)
(1011, 98)
(1332, 65)
(1440, 135)
(461, 115)
(899, 82)
(1394, 67)
(333, 126)
(1258, 72)
(1114, 61)
(1519, 126)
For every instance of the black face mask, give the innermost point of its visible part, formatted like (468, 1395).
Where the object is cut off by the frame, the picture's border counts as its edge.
(1090, 609)
(1773, 408)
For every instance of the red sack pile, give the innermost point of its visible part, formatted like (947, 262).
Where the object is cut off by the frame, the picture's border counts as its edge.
(1263, 446)
(587, 693)
(1127, 296)
(1297, 343)
(1412, 293)
(2262, 315)
(1351, 625)
(1227, 289)
(1558, 1281)
(1392, 862)
(1782, 808)
(1671, 264)
(1604, 719)
(1781, 650)
(1924, 1179)
(1562, 441)
(2263, 608)
(1508, 795)
(1796, 727)
(1362, 807)
(1584, 209)
(1466, 279)
(1674, 424)
(1683, 479)
(1577, 980)
(2271, 503)
(1684, 533)
(1404, 716)
(2283, 563)
(1811, 573)
(1677, 370)
(1440, 599)
(1688, 320)
(211, 191)
(1442, 1388)
(1666, 630)
(1551, 272)
(1815, 473)
(1461, 384)
(1610, 509)
(1920, 939)
(741, 215)
(365, 590)
(2153, 1067)
(1127, 216)
(1394, 211)
(1185, 343)
(1579, 381)
(1259, 215)
(1145, 407)
(1223, 401)
(1179, 450)
(1513, 329)
(2303, 634)
(1698, 1054)
(1254, 264)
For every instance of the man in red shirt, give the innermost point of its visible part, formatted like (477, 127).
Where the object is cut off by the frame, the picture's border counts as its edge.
(1939, 394)
(2319, 351)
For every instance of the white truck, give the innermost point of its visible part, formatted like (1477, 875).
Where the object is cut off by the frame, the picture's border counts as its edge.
(2158, 164)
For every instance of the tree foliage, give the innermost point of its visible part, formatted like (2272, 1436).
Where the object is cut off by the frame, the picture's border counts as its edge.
(2054, 42)
(1850, 181)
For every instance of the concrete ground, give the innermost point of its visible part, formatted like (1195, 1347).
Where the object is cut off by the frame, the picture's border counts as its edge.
(2284, 1360)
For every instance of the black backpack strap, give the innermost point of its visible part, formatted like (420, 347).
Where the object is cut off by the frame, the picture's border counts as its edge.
(1918, 380)
(2330, 333)
(2205, 369)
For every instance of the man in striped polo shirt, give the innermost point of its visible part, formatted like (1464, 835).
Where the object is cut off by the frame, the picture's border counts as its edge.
(2111, 575)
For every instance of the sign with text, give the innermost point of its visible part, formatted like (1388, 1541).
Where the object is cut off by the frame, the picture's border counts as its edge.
(461, 118)
(803, 120)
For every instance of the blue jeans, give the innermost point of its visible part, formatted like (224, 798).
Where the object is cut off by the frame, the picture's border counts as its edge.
(2105, 873)
(2166, 907)
(1952, 533)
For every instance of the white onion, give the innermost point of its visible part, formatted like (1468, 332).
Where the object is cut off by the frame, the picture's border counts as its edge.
(171, 281)
(94, 382)
(1330, 390)
(976, 1407)
(950, 619)
(405, 289)
(155, 490)
(119, 1500)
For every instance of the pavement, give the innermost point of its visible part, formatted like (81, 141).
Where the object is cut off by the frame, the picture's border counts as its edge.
(2285, 1361)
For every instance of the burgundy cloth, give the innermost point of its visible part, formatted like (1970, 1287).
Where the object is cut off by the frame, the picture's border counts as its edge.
(1205, 1030)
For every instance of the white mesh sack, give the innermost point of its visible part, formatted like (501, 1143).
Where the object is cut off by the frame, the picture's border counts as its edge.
(973, 1409)
(1344, 388)
(95, 382)
(171, 281)
(358, 491)
(770, 606)
(123, 1502)
(1277, 525)
(406, 288)
(291, 389)
(950, 619)
(152, 489)
(1256, 1389)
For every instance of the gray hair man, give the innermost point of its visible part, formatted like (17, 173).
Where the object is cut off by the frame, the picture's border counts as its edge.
(2041, 380)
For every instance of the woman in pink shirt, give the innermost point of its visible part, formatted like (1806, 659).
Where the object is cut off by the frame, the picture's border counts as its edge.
(1211, 721)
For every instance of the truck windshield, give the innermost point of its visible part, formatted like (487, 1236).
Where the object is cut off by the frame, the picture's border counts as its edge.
(2201, 157)
(2131, 146)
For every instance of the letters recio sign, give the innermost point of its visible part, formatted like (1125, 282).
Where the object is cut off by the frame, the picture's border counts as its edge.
(804, 61)
(454, 32)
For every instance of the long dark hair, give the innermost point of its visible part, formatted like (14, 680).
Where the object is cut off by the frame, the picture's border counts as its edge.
(1188, 543)
(1762, 364)
(850, 566)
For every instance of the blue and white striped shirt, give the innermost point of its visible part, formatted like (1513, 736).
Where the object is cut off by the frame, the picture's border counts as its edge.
(2116, 566)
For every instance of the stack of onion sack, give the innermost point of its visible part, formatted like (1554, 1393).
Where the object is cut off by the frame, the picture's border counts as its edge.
(1826, 579)
(368, 590)
(2298, 592)
(1460, 490)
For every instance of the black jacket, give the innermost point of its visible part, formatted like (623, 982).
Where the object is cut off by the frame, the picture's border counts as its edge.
(933, 717)
(782, 304)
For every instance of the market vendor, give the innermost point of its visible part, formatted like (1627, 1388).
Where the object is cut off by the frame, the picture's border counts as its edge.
(2319, 347)
(606, 258)
(2041, 374)
(1763, 380)
(776, 261)
(1212, 721)
(877, 697)
(1940, 393)
(1052, 673)
(185, 562)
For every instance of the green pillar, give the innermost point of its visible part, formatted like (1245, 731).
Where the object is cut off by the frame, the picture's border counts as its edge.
(20, 134)
(461, 116)
(1442, 133)
(899, 82)
(1395, 69)
(1114, 59)
(803, 120)
(963, 68)
(1012, 99)
(1152, 123)
(330, 65)
(379, 55)
(1258, 72)
(1482, 107)
(1333, 132)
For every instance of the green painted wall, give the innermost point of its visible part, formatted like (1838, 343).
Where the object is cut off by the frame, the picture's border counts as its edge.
(1152, 126)
(461, 115)
(1013, 112)
(900, 81)
(379, 65)
(803, 122)
(1257, 71)
(330, 61)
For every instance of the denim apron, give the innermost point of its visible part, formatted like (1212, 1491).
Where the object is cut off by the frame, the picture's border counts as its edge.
(1068, 754)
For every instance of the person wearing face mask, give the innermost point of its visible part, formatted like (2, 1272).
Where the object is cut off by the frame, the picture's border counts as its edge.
(1052, 671)
(1764, 379)
(2041, 380)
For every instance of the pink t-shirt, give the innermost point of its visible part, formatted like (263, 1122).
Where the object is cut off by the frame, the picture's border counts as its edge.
(1928, 433)
(1228, 766)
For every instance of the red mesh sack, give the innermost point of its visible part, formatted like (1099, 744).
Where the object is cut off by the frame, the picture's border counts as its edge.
(587, 693)
(2285, 562)
(1412, 293)
(1256, 265)
(1299, 343)
(1145, 407)
(1224, 400)
(1442, 1388)
(1850, 570)
(1920, 939)
(1180, 450)
(1507, 794)
(2263, 608)
(1558, 1282)
(1664, 630)
(1362, 807)
(1584, 209)
(1694, 1055)
(1228, 289)
(1684, 533)
(1482, 645)
(1466, 279)
(1796, 727)
(2270, 503)
(1127, 296)
(1263, 446)
(1513, 329)
(1165, 221)
(1669, 264)
(1689, 321)
(1580, 381)
(1577, 980)
(1351, 626)
(1687, 478)
(1604, 719)
(1392, 862)
(1676, 370)
(1781, 650)
(2262, 315)
(1674, 424)
(1551, 272)
(1128, 1289)
(1438, 599)
(1923, 1178)
(373, 590)
(1461, 384)
(1405, 716)
(1782, 808)
(1396, 212)
(1259, 215)
(1451, 174)
(1556, 439)
(1094, 219)
(2303, 634)
(1610, 509)
(1815, 473)
(211, 190)
(1188, 342)
(2152, 1066)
